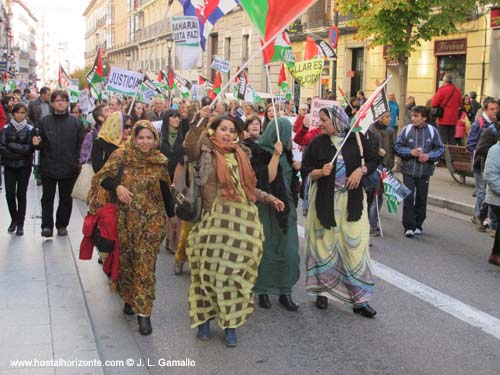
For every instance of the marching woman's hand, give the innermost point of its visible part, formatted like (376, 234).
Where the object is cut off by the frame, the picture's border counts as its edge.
(278, 205)
(354, 179)
(124, 195)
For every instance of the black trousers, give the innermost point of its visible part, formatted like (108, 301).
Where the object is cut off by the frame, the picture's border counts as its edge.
(16, 186)
(415, 204)
(496, 244)
(447, 134)
(65, 206)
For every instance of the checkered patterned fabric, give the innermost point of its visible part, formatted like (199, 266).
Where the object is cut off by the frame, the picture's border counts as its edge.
(224, 251)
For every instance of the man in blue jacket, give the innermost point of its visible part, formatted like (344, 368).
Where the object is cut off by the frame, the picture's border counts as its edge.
(419, 147)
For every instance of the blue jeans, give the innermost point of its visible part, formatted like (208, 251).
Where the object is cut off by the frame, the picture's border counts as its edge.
(480, 209)
(415, 204)
(372, 210)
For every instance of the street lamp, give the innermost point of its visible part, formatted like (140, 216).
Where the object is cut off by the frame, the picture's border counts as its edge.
(127, 59)
(170, 44)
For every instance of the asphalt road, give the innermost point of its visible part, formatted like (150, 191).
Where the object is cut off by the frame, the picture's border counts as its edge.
(408, 335)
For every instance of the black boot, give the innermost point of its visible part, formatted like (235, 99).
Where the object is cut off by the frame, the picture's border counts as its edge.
(321, 302)
(20, 230)
(12, 227)
(127, 309)
(144, 325)
(366, 310)
(264, 301)
(287, 302)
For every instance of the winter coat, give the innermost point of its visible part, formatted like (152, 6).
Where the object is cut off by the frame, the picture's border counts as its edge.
(16, 147)
(488, 138)
(492, 176)
(453, 93)
(105, 221)
(62, 136)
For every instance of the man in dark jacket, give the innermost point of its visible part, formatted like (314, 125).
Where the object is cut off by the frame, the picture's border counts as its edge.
(40, 107)
(487, 119)
(419, 146)
(384, 135)
(448, 97)
(488, 138)
(61, 136)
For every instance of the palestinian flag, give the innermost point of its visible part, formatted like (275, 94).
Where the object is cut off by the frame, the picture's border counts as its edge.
(311, 51)
(217, 83)
(171, 78)
(271, 17)
(282, 82)
(279, 50)
(95, 77)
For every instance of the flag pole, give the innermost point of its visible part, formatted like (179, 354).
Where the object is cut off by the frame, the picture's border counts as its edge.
(162, 25)
(135, 96)
(273, 101)
(356, 122)
(265, 45)
(242, 68)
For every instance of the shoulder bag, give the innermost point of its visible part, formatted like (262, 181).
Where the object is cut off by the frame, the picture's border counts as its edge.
(186, 193)
(438, 111)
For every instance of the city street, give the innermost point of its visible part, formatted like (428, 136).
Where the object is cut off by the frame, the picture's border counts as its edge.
(436, 296)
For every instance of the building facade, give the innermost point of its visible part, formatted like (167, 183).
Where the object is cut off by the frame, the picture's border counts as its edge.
(21, 37)
(134, 34)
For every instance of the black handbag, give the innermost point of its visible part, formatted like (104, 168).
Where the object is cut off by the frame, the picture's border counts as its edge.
(187, 193)
(438, 111)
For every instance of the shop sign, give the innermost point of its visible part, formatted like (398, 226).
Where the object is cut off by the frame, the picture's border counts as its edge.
(495, 18)
(450, 47)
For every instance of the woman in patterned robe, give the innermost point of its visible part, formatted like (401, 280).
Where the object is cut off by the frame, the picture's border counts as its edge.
(225, 247)
(337, 231)
(138, 175)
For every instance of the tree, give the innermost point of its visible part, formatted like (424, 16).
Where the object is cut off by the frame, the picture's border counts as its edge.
(403, 24)
(81, 75)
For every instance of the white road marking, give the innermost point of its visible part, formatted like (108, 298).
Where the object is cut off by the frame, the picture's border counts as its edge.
(449, 305)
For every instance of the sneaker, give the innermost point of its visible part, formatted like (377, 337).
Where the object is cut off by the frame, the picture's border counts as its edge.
(409, 233)
(375, 232)
(417, 232)
(62, 232)
(47, 232)
(481, 228)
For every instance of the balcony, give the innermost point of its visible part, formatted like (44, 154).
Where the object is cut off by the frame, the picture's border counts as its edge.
(150, 32)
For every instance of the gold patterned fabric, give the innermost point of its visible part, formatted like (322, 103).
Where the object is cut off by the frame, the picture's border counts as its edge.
(112, 129)
(141, 224)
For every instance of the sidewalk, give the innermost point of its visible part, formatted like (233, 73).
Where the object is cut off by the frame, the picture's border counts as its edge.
(445, 192)
(56, 307)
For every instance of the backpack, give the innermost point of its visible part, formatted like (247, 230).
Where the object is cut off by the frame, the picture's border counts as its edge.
(431, 128)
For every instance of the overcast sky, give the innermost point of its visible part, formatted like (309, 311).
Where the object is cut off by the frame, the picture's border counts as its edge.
(65, 18)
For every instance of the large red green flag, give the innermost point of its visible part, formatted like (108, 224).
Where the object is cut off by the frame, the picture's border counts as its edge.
(273, 16)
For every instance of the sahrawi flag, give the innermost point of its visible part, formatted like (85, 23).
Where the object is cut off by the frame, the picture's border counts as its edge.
(271, 17)
(64, 81)
(374, 107)
(279, 50)
(208, 13)
(95, 77)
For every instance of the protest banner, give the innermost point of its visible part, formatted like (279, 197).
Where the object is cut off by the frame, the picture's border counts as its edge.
(157, 125)
(307, 73)
(124, 81)
(186, 34)
(83, 99)
(316, 105)
(221, 65)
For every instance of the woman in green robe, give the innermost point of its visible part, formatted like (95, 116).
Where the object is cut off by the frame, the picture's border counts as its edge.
(277, 174)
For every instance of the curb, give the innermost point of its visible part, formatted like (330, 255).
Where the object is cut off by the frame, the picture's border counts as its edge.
(463, 208)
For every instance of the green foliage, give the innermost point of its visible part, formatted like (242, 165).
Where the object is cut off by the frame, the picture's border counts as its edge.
(81, 74)
(402, 24)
